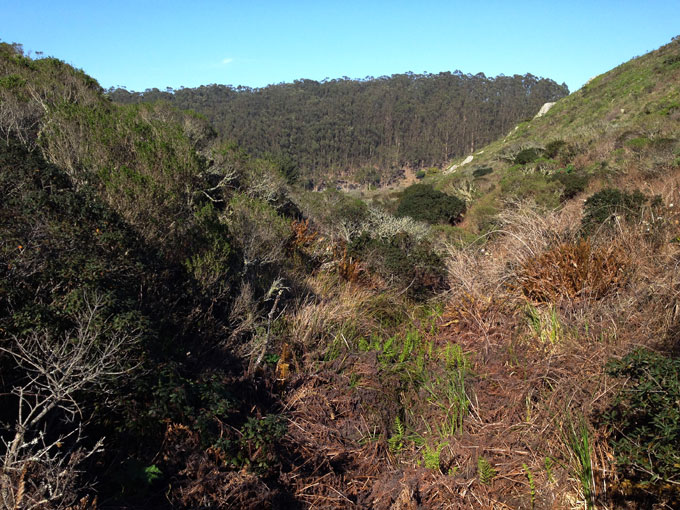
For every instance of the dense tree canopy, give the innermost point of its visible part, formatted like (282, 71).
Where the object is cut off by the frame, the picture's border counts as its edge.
(337, 127)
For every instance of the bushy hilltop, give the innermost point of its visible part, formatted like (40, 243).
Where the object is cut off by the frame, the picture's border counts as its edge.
(366, 131)
(181, 325)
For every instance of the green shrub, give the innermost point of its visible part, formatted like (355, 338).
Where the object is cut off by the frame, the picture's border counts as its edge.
(199, 402)
(12, 81)
(604, 205)
(527, 156)
(257, 230)
(420, 174)
(553, 148)
(423, 202)
(286, 166)
(671, 61)
(334, 210)
(668, 107)
(138, 157)
(535, 186)
(482, 171)
(403, 260)
(258, 443)
(638, 144)
(572, 182)
(213, 262)
(644, 417)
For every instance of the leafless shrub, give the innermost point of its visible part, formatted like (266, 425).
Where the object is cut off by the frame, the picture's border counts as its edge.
(381, 224)
(262, 180)
(40, 459)
(252, 319)
(466, 190)
(472, 272)
(243, 313)
(19, 118)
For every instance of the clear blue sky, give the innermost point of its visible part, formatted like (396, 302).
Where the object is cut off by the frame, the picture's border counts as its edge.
(149, 43)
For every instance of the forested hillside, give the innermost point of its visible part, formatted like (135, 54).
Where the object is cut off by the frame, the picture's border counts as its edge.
(182, 325)
(364, 130)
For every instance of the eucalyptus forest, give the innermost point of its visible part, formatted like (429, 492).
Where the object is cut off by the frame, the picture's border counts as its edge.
(364, 130)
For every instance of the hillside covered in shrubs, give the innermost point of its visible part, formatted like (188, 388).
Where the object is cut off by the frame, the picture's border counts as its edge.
(183, 325)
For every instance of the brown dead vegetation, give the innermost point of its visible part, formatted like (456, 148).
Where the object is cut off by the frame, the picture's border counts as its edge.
(600, 298)
(330, 439)
(574, 271)
(302, 234)
(538, 311)
(204, 478)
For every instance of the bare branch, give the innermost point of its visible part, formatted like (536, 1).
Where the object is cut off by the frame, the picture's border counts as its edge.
(55, 371)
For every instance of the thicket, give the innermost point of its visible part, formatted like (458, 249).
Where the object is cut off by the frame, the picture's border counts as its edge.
(254, 344)
(104, 335)
(423, 202)
(74, 331)
(162, 270)
(644, 420)
(610, 205)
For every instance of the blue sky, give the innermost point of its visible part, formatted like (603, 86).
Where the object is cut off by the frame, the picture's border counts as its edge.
(142, 44)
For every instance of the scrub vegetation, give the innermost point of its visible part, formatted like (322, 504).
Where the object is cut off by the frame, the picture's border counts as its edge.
(185, 324)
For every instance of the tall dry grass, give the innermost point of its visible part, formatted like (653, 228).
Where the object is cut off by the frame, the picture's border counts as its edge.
(341, 311)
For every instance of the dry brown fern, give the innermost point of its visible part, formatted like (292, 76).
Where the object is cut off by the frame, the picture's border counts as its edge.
(573, 271)
(349, 268)
(303, 235)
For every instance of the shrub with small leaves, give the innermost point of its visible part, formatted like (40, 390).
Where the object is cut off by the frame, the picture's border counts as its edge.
(258, 230)
(257, 444)
(522, 184)
(402, 260)
(481, 171)
(644, 417)
(552, 149)
(608, 204)
(423, 202)
(572, 182)
(526, 156)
